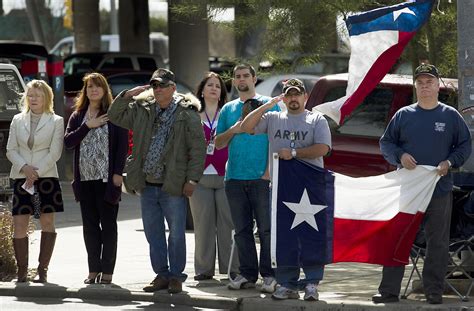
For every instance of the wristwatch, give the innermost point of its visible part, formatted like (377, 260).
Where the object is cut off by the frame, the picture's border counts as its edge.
(293, 152)
(449, 163)
(192, 182)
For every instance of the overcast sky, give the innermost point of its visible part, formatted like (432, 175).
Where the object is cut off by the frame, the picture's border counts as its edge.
(57, 5)
(158, 8)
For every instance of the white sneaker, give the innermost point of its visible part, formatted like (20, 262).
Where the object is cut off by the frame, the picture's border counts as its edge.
(268, 285)
(285, 293)
(240, 282)
(311, 292)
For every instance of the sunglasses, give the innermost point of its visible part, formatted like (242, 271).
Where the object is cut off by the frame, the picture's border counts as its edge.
(250, 105)
(161, 85)
(253, 103)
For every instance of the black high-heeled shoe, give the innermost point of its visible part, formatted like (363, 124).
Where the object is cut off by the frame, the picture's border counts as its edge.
(93, 280)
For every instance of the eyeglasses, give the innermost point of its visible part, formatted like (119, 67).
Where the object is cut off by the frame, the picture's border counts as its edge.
(31, 96)
(161, 85)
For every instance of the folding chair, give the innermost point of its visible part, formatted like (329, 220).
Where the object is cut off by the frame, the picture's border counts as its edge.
(417, 253)
(460, 261)
(461, 255)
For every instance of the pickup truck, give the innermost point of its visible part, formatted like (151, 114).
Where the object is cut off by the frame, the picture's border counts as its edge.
(355, 144)
(11, 89)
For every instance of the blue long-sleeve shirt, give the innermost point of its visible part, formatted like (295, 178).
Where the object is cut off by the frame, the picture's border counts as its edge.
(430, 136)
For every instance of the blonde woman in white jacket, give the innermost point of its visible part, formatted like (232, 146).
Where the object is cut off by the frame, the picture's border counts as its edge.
(34, 146)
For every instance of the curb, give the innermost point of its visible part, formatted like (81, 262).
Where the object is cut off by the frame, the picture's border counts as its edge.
(262, 303)
(98, 292)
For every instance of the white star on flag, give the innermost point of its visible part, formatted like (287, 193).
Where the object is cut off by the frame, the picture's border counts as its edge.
(305, 211)
(396, 14)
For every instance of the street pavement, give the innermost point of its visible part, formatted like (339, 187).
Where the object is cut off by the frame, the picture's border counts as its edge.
(346, 286)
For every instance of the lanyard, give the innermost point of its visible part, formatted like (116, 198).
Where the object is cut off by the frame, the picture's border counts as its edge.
(211, 124)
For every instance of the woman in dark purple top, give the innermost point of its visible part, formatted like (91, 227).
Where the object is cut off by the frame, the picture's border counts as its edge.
(209, 207)
(100, 149)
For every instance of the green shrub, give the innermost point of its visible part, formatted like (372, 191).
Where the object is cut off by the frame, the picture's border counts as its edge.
(7, 254)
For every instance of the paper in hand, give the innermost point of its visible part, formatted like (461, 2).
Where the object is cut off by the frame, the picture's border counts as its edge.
(30, 190)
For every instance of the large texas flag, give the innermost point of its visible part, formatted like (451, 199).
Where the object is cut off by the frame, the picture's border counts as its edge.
(377, 40)
(320, 217)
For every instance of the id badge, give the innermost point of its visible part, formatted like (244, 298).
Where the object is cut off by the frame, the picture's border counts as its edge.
(211, 147)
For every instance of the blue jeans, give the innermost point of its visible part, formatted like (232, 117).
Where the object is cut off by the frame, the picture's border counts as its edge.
(249, 199)
(288, 276)
(157, 206)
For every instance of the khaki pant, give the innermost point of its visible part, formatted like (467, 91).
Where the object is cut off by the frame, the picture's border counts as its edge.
(212, 222)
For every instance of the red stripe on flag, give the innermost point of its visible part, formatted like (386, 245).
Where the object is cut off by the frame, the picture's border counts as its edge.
(375, 74)
(378, 242)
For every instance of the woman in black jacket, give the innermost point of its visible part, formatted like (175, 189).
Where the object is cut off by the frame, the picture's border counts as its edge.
(100, 149)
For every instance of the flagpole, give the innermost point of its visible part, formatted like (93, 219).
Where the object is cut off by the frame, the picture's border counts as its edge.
(274, 191)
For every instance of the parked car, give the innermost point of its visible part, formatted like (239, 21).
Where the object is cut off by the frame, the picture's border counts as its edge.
(30, 58)
(272, 85)
(11, 88)
(111, 43)
(355, 144)
(330, 63)
(76, 65)
(81, 63)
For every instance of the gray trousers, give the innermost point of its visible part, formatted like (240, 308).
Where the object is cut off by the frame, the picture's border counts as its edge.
(212, 221)
(436, 225)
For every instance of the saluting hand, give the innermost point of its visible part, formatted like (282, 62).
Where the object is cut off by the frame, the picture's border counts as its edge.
(135, 91)
(275, 100)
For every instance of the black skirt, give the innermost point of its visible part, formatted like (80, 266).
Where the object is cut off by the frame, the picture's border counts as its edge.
(49, 191)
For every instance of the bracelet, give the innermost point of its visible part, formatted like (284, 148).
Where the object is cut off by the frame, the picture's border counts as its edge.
(192, 182)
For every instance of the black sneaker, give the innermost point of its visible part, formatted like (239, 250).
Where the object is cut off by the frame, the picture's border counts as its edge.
(384, 298)
(434, 299)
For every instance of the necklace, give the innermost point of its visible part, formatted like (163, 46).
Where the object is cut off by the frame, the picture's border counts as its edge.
(89, 114)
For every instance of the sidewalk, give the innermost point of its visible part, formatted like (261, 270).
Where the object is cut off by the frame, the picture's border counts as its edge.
(345, 286)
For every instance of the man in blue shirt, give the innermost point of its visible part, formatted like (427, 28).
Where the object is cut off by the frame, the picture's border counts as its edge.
(247, 184)
(426, 133)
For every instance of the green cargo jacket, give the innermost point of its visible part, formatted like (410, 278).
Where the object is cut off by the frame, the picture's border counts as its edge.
(185, 151)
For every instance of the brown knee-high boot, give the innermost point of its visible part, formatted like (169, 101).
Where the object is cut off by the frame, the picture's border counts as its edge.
(21, 254)
(46, 251)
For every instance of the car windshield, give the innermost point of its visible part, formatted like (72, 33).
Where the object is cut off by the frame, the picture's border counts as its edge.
(10, 94)
(81, 64)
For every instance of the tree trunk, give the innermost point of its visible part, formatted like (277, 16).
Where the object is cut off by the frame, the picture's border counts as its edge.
(35, 23)
(134, 26)
(248, 43)
(86, 25)
(188, 43)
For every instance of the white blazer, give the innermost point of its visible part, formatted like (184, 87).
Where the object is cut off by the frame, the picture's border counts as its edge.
(47, 147)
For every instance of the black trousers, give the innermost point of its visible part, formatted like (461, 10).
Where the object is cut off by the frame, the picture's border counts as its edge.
(436, 225)
(99, 223)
